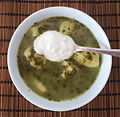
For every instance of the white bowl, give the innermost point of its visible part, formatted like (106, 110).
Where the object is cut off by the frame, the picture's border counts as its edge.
(33, 97)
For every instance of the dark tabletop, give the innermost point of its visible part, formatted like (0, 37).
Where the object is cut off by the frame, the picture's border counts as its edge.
(105, 12)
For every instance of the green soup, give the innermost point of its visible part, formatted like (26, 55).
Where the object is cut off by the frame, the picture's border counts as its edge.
(48, 80)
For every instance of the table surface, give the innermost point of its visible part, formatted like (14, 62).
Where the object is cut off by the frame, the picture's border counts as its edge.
(105, 12)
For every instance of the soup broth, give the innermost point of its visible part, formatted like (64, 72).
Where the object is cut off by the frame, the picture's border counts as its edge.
(63, 80)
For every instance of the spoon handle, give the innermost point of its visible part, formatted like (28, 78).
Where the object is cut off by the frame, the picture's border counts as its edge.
(113, 52)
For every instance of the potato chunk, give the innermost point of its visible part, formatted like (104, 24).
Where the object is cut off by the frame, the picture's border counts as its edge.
(35, 32)
(36, 60)
(88, 59)
(68, 69)
(40, 86)
(66, 27)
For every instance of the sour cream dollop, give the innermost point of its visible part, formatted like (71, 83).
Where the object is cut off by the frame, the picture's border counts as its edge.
(54, 45)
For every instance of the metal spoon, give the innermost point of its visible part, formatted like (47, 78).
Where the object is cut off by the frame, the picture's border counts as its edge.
(113, 52)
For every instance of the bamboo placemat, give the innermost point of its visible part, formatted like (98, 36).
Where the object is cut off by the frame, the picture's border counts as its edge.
(105, 12)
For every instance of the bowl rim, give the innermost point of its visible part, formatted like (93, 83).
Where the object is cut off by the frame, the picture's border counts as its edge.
(48, 106)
